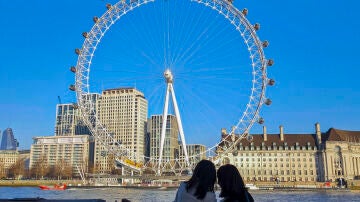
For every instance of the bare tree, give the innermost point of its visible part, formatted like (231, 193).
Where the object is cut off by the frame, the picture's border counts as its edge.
(2, 169)
(17, 170)
(97, 168)
(40, 168)
(67, 170)
(111, 163)
(59, 169)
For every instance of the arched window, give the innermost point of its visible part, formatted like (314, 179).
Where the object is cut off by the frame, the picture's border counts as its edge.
(338, 165)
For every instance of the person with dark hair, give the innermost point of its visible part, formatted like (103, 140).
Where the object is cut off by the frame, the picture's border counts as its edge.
(200, 187)
(232, 185)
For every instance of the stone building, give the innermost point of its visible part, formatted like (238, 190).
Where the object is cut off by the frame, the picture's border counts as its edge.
(296, 157)
(7, 159)
(123, 111)
(341, 154)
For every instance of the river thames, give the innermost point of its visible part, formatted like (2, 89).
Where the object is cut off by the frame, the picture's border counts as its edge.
(112, 194)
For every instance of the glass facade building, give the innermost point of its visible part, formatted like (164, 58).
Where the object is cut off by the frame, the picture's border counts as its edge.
(7, 141)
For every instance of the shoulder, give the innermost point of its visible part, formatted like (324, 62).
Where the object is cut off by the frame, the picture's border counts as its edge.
(210, 196)
(182, 187)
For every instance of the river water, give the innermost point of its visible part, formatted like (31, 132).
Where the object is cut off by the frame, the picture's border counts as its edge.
(112, 194)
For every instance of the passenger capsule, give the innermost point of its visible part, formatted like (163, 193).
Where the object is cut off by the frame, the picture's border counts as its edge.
(108, 6)
(261, 120)
(265, 44)
(249, 138)
(72, 87)
(230, 1)
(72, 69)
(77, 51)
(257, 26)
(96, 19)
(270, 62)
(268, 102)
(271, 82)
(85, 34)
(245, 11)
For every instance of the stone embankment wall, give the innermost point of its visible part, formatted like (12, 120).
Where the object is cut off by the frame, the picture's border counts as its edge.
(37, 182)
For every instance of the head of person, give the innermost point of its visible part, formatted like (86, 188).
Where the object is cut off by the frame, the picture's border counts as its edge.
(203, 179)
(231, 183)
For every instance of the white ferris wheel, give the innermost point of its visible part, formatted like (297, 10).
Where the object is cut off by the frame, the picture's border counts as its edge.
(257, 78)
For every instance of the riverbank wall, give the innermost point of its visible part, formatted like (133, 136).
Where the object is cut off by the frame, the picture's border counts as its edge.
(31, 183)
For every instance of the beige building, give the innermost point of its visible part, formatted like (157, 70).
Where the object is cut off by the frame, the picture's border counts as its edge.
(123, 111)
(74, 150)
(297, 157)
(196, 153)
(171, 144)
(7, 159)
(341, 154)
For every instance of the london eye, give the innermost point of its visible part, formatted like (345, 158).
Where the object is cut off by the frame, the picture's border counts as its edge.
(210, 40)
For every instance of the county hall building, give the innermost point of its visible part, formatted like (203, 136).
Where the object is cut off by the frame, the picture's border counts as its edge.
(297, 157)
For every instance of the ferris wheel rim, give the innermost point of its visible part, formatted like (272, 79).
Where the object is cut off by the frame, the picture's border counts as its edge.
(122, 7)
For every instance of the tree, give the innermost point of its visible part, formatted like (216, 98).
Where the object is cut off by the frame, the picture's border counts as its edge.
(68, 170)
(111, 161)
(40, 168)
(2, 169)
(59, 169)
(17, 170)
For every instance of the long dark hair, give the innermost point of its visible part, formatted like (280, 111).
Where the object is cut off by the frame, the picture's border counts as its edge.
(232, 184)
(203, 178)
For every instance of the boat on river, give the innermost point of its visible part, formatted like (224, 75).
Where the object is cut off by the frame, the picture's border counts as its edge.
(252, 187)
(56, 187)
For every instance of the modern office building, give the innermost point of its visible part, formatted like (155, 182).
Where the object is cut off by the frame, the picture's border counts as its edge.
(69, 121)
(171, 144)
(66, 119)
(72, 150)
(8, 142)
(196, 153)
(296, 157)
(123, 111)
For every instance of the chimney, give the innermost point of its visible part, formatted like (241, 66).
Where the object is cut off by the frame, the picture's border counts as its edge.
(281, 133)
(265, 134)
(318, 133)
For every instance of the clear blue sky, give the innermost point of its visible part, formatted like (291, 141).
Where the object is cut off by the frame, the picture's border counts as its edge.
(315, 45)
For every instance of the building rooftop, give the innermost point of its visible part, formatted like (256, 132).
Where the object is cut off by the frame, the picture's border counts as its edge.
(342, 135)
(289, 139)
(123, 90)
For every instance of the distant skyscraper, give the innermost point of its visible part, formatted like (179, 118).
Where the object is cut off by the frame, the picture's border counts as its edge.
(123, 111)
(8, 142)
(171, 144)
